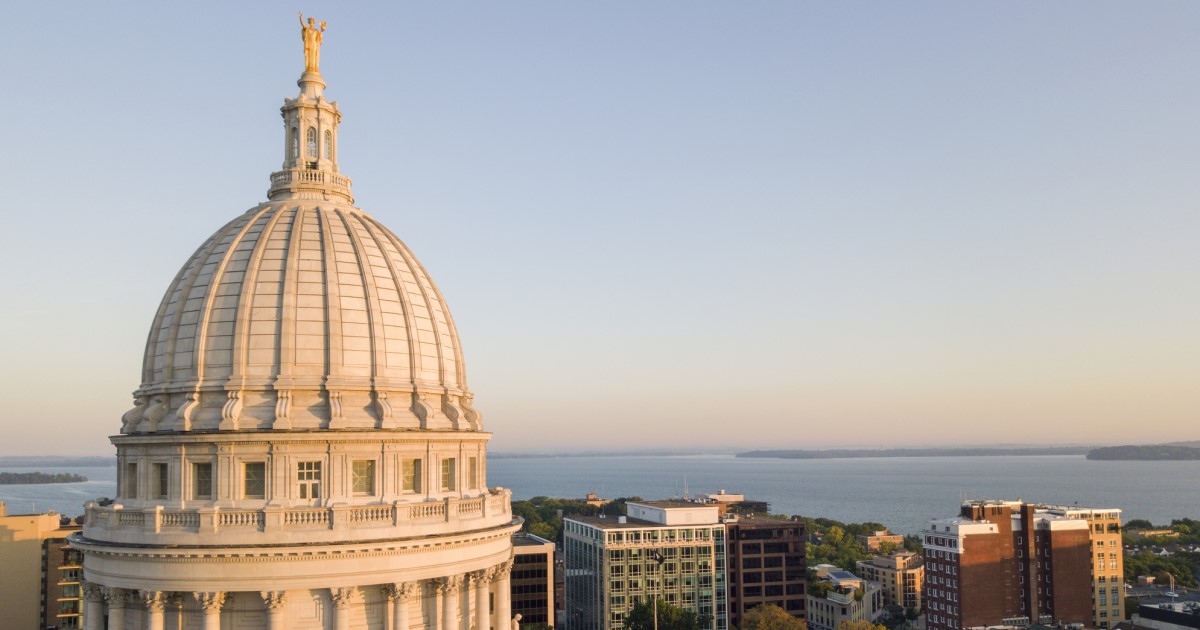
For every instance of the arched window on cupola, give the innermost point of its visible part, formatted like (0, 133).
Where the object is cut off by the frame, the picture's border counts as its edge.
(328, 145)
(312, 142)
(295, 144)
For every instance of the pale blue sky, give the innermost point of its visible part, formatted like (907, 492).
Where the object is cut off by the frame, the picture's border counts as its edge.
(657, 223)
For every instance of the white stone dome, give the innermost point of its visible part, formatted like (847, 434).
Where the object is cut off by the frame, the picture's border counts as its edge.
(305, 312)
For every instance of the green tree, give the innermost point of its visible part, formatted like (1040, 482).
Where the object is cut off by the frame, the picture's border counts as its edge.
(834, 536)
(887, 548)
(670, 617)
(771, 617)
(859, 625)
(1139, 523)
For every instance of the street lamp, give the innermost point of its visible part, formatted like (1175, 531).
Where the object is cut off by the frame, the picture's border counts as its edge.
(658, 557)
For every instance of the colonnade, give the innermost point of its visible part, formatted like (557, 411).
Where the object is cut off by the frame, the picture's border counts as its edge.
(456, 597)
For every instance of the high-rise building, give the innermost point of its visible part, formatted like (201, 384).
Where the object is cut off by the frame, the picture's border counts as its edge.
(1012, 563)
(40, 585)
(533, 579)
(673, 551)
(900, 576)
(303, 452)
(766, 565)
(843, 597)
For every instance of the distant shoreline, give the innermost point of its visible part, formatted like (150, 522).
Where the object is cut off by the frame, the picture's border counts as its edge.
(55, 461)
(32, 478)
(915, 452)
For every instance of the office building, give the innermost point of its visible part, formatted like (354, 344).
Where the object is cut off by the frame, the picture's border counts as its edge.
(766, 565)
(669, 550)
(40, 584)
(841, 596)
(533, 579)
(901, 577)
(873, 541)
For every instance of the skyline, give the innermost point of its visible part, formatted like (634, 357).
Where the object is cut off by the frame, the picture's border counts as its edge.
(936, 224)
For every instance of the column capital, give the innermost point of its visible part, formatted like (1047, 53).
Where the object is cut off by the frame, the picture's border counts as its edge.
(449, 584)
(210, 601)
(402, 591)
(342, 596)
(113, 596)
(93, 592)
(153, 600)
(274, 600)
(502, 570)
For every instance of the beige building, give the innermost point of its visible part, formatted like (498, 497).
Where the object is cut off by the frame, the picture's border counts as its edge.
(1108, 561)
(40, 581)
(874, 540)
(849, 598)
(303, 451)
(900, 576)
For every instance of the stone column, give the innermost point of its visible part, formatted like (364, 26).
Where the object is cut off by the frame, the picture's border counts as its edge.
(399, 595)
(211, 604)
(503, 590)
(483, 617)
(154, 601)
(116, 607)
(448, 587)
(342, 598)
(275, 603)
(93, 607)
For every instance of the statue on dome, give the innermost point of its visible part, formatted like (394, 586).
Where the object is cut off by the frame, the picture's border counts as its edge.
(312, 42)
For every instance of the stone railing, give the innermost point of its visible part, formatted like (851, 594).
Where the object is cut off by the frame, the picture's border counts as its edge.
(118, 523)
(301, 180)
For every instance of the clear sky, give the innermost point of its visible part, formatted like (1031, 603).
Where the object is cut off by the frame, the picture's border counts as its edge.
(701, 223)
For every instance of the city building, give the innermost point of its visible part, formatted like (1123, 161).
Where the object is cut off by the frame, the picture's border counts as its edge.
(841, 596)
(900, 576)
(766, 565)
(1108, 569)
(533, 579)
(1014, 563)
(303, 451)
(1184, 615)
(40, 585)
(674, 551)
(875, 539)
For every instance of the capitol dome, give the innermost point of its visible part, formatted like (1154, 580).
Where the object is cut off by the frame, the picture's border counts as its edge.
(302, 452)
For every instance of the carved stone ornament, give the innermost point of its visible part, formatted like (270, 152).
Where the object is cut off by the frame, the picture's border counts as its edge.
(283, 406)
(449, 585)
(114, 597)
(157, 411)
(187, 411)
(129, 421)
(342, 597)
(153, 600)
(93, 592)
(210, 601)
(401, 591)
(274, 600)
(232, 410)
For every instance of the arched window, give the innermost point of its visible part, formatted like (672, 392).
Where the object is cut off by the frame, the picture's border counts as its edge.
(328, 145)
(295, 149)
(312, 142)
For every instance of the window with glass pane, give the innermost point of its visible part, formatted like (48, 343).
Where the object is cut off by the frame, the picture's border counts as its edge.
(328, 145)
(295, 148)
(202, 482)
(412, 475)
(131, 482)
(312, 142)
(473, 472)
(363, 475)
(160, 481)
(308, 474)
(448, 474)
(254, 485)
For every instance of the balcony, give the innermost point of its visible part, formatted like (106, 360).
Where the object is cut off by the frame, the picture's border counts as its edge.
(278, 524)
(309, 184)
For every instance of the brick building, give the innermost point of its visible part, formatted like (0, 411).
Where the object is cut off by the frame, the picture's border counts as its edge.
(1010, 563)
(766, 565)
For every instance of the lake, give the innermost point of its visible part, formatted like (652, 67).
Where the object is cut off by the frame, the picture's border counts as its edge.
(900, 492)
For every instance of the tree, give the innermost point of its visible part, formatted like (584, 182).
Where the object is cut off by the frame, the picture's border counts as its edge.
(669, 617)
(834, 536)
(771, 617)
(1139, 523)
(861, 624)
(887, 548)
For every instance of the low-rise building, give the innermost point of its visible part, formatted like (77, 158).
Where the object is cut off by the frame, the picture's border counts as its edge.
(901, 577)
(848, 598)
(873, 541)
(532, 581)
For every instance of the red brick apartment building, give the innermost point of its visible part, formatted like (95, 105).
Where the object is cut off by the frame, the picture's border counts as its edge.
(1010, 563)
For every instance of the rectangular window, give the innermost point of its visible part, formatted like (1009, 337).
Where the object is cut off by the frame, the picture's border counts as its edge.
(308, 474)
(473, 472)
(449, 483)
(362, 473)
(254, 484)
(131, 481)
(202, 481)
(412, 475)
(161, 481)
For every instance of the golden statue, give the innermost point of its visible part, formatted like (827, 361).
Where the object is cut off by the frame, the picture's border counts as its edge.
(312, 42)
